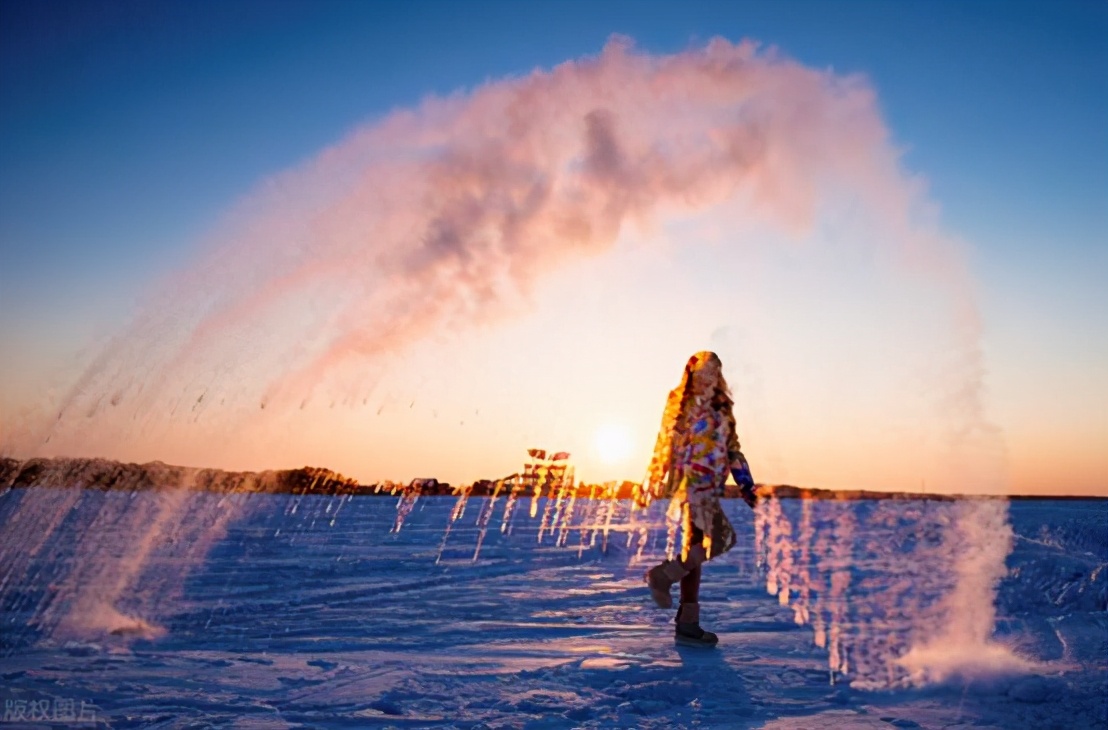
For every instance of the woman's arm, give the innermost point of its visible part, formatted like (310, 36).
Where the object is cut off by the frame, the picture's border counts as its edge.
(740, 469)
(740, 472)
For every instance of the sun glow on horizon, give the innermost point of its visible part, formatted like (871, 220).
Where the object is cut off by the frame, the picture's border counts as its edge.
(612, 443)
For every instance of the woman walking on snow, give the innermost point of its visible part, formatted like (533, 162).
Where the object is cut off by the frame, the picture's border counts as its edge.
(696, 448)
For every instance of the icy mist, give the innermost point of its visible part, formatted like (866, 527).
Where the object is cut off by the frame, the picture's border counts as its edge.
(447, 216)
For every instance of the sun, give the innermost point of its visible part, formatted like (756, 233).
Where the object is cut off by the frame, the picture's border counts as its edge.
(612, 443)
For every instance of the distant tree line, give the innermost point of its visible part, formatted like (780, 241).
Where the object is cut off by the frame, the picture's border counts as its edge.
(545, 478)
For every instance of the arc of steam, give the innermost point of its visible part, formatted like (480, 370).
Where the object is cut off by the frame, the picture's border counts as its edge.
(442, 215)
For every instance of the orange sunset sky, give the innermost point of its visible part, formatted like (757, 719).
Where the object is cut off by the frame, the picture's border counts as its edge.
(399, 269)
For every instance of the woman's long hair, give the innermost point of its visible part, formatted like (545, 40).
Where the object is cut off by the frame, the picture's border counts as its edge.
(672, 436)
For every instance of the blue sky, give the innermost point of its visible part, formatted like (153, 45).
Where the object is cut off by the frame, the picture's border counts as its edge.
(128, 129)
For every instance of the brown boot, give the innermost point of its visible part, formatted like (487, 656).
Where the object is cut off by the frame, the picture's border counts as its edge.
(688, 629)
(661, 578)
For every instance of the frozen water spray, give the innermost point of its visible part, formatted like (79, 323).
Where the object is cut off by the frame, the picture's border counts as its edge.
(548, 480)
(900, 592)
(445, 217)
(93, 548)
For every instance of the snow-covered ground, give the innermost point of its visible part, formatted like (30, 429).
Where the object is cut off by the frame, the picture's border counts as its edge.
(178, 609)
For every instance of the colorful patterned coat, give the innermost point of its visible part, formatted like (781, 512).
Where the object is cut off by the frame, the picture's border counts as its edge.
(697, 446)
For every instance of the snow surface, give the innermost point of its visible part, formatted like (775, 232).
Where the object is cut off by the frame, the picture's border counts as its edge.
(176, 609)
